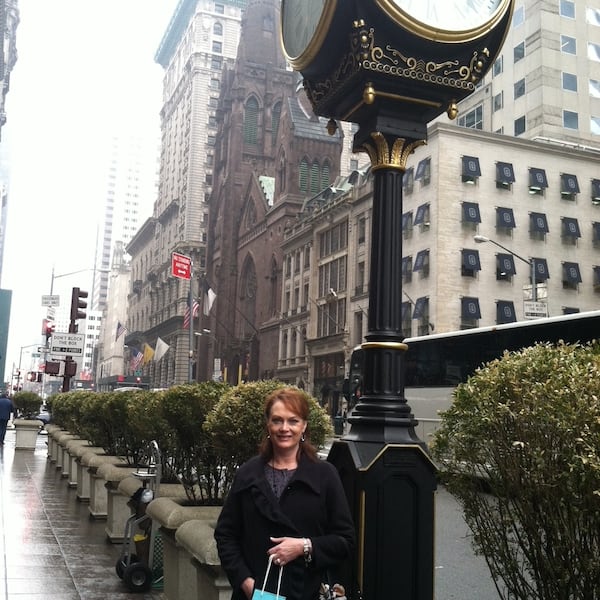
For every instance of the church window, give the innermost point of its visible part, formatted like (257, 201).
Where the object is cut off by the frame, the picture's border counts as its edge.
(314, 178)
(251, 121)
(303, 179)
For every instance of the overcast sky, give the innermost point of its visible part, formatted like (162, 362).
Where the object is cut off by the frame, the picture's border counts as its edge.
(85, 69)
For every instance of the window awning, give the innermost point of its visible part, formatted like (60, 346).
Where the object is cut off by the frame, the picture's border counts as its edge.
(470, 166)
(406, 311)
(538, 222)
(470, 211)
(408, 176)
(505, 263)
(596, 190)
(505, 217)
(470, 260)
(596, 232)
(571, 227)
(422, 168)
(596, 275)
(406, 264)
(421, 308)
(571, 272)
(541, 269)
(570, 310)
(505, 312)
(568, 184)
(422, 215)
(469, 308)
(537, 179)
(505, 172)
(421, 260)
(407, 220)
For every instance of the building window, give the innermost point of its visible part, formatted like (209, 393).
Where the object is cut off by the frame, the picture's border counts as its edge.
(505, 312)
(217, 47)
(569, 82)
(422, 216)
(470, 313)
(538, 181)
(325, 171)
(470, 213)
(594, 88)
(275, 117)
(288, 265)
(331, 318)
(569, 186)
(407, 225)
(215, 84)
(568, 44)
(470, 169)
(470, 263)
(333, 240)
(251, 121)
(422, 263)
(498, 66)
(218, 29)
(362, 230)
(498, 101)
(595, 191)
(421, 314)
(505, 267)
(520, 125)
(303, 175)
(570, 119)
(407, 269)
(473, 119)
(219, 8)
(595, 125)
(361, 285)
(571, 275)
(596, 278)
(538, 226)
(594, 51)
(216, 64)
(592, 16)
(519, 52)
(567, 9)
(408, 180)
(406, 319)
(423, 173)
(519, 88)
(505, 175)
(518, 16)
(570, 231)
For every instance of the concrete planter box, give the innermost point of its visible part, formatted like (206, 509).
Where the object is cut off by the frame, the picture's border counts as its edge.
(61, 441)
(196, 538)
(98, 493)
(69, 460)
(84, 454)
(26, 431)
(52, 431)
(179, 573)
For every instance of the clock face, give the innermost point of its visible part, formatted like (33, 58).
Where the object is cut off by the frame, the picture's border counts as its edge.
(304, 24)
(446, 20)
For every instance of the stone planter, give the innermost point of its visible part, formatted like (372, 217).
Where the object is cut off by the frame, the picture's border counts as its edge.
(179, 573)
(52, 431)
(98, 493)
(197, 539)
(84, 455)
(26, 431)
(69, 469)
(61, 441)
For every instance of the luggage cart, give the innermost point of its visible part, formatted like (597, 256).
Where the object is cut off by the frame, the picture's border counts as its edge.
(140, 562)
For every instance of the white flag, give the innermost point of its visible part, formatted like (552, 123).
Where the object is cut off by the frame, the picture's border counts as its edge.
(161, 349)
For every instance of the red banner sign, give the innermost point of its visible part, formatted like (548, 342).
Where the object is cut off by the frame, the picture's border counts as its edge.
(181, 266)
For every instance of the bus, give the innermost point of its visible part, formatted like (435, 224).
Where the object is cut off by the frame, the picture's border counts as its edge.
(435, 364)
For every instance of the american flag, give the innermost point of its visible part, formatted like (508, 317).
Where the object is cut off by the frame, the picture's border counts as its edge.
(121, 329)
(186, 314)
(136, 358)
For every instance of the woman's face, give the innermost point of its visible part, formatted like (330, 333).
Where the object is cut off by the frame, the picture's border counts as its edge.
(285, 427)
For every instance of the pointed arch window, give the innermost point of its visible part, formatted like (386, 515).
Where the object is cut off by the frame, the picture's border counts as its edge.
(303, 176)
(251, 121)
(325, 174)
(315, 171)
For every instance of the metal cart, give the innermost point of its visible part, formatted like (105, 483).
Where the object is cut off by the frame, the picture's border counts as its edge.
(140, 562)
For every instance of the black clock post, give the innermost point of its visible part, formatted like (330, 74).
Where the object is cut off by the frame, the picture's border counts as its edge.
(373, 63)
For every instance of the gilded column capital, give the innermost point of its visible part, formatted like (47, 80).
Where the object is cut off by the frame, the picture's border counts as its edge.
(389, 152)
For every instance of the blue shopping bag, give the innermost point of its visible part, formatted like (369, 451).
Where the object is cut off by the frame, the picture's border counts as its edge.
(264, 595)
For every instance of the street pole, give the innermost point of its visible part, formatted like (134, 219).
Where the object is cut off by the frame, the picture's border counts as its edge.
(191, 336)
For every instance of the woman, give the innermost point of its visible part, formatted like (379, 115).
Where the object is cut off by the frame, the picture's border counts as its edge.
(287, 504)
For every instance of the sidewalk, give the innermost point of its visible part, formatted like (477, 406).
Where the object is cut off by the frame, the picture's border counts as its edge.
(52, 550)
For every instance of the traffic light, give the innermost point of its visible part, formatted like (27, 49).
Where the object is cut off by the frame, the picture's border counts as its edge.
(31, 376)
(47, 329)
(77, 304)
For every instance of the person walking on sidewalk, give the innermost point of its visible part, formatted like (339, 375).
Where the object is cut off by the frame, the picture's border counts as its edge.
(6, 408)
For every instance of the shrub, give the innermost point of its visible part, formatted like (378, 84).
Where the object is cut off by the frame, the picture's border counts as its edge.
(528, 426)
(237, 424)
(67, 410)
(27, 404)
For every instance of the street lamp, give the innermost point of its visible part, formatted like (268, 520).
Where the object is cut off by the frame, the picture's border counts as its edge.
(480, 239)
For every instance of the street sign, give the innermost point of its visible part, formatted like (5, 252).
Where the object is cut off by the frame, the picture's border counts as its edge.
(70, 344)
(53, 300)
(181, 266)
(535, 310)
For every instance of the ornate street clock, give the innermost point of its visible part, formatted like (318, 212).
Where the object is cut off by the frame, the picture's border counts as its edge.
(418, 56)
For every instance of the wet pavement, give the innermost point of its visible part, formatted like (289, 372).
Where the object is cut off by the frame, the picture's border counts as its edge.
(50, 548)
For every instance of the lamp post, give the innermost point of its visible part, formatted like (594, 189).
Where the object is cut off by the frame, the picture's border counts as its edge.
(481, 239)
(20, 360)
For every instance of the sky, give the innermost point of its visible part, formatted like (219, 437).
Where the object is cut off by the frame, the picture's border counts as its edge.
(85, 70)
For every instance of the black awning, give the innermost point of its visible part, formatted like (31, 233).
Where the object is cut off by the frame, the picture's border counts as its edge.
(505, 263)
(470, 260)
(469, 308)
(505, 172)
(538, 222)
(407, 220)
(537, 178)
(421, 260)
(505, 312)
(408, 176)
(422, 168)
(571, 227)
(505, 217)
(422, 215)
(570, 310)
(596, 275)
(470, 166)
(596, 189)
(421, 308)
(596, 232)
(568, 184)
(470, 211)
(541, 269)
(406, 264)
(571, 272)
(406, 311)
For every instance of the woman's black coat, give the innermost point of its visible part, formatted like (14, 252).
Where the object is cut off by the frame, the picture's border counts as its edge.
(313, 505)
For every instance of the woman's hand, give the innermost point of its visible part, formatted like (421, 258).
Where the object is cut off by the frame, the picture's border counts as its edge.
(286, 549)
(248, 587)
